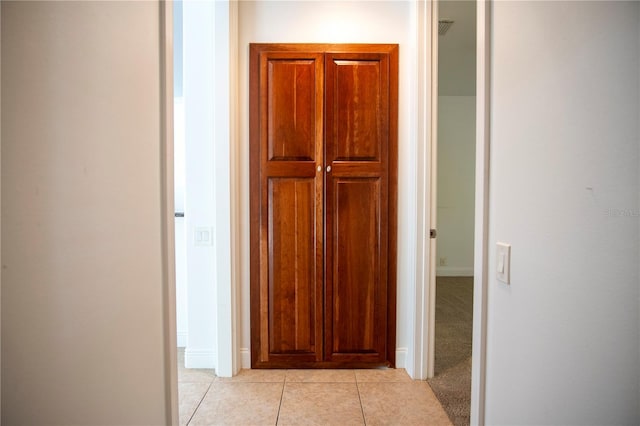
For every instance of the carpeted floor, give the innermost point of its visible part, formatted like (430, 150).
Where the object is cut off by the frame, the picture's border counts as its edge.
(454, 324)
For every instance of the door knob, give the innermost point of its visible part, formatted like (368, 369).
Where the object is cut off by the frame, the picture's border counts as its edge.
(319, 169)
(328, 169)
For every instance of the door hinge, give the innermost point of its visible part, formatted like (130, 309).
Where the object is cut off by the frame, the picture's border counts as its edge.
(432, 233)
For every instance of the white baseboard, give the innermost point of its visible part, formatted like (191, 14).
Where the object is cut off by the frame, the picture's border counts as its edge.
(182, 339)
(245, 357)
(199, 358)
(401, 357)
(454, 271)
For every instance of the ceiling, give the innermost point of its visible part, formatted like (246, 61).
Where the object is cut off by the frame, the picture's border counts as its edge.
(457, 49)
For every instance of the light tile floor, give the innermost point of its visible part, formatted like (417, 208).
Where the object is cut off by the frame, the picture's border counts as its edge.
(306, 397)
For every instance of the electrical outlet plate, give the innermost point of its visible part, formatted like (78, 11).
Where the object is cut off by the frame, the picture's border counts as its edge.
(503, 262)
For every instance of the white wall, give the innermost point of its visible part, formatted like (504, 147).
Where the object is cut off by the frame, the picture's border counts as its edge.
(182, 323)
(457, 49)
(82, 296)
(198, 69)
(224, 127)
(336, 22)
(563, 338)
(179, 155)
(182, 318)
(206, 297)
(456, 185)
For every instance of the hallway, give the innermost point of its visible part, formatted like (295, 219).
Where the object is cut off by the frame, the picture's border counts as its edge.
(309, 397)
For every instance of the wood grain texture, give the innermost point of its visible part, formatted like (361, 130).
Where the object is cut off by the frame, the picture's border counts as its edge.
(286, 142)
(292, 266)
(357, 144)
(357, 255)
(291, 104)
(323, 255)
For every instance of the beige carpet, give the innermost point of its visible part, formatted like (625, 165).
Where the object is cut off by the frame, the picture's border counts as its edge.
(454, 325)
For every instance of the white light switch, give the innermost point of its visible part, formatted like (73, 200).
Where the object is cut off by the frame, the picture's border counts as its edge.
(203, 236)
(503, 262)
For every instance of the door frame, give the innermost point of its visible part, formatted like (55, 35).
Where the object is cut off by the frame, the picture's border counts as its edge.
(417, 361)
(424, 343)
(227, 316)
(168, 212)
(481, 239)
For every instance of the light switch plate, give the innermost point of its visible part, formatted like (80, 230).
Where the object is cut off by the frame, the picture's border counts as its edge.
(203, 236)
(503, 262)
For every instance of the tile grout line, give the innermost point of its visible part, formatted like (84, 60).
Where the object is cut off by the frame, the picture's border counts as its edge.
(200, 403)
(284, 382)
(364, 419)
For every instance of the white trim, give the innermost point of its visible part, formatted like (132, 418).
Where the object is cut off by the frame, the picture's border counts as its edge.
(168, 223)
(454, 271)
(433, 193)
(424, 344)
(225, 294)
(199, 358)
(401, 357)
(235, 232)
(181, 339)
(417, 359)
(483, 110)
(0, 221)
(245, 356)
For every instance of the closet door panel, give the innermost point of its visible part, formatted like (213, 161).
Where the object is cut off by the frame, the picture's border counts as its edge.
(357, 112)
(291, 109)
(292, 266)
(358, 109)
(286, 207)
(356, 284)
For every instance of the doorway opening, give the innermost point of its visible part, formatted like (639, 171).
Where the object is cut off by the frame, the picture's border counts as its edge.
(455, 212)
(417, 361)
(196, 236)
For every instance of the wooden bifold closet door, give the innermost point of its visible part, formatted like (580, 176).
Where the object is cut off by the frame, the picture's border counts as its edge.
(323, 181)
